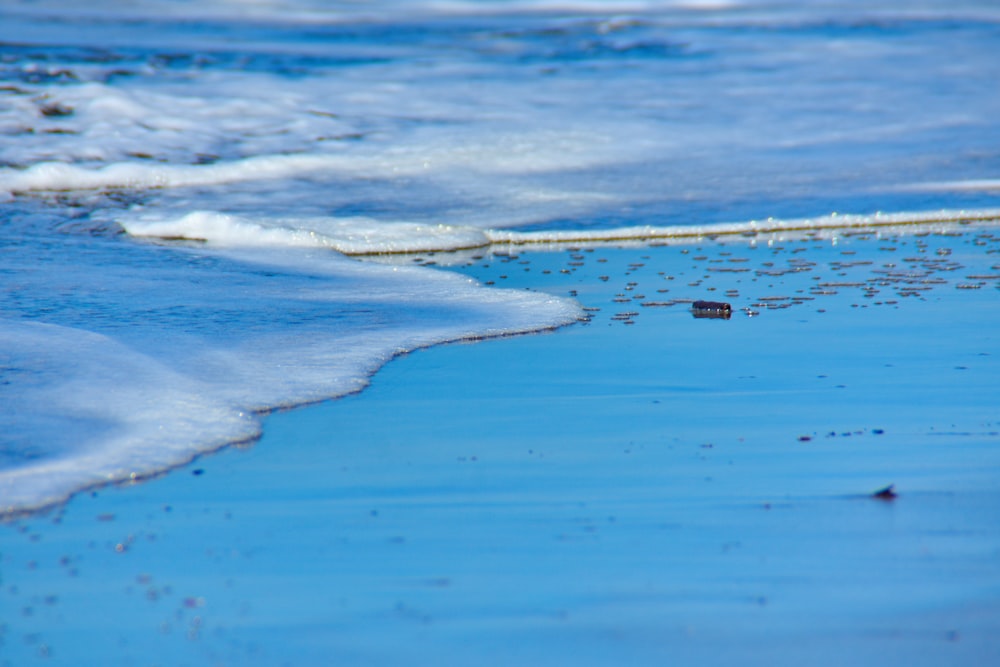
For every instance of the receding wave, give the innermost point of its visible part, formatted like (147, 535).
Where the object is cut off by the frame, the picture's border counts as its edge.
(176, 351)
(59, 176)
(350, 236)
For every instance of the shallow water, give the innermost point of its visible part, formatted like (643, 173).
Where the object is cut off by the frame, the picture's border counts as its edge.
(178, 183)
(645, 487)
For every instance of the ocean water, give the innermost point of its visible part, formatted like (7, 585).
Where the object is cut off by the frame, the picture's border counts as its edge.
(197, 200)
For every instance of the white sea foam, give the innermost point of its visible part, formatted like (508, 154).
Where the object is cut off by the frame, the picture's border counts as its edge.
(366, 236)
(507, 155)
(351, 236)
(100, 411)
(84, 408)
(508, 124)
(59, 176)
(942, 219)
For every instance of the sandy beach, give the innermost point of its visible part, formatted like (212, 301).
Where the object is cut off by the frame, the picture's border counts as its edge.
(644, 488)
(505, 333)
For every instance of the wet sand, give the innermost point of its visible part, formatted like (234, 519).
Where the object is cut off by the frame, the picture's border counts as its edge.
(648, 487)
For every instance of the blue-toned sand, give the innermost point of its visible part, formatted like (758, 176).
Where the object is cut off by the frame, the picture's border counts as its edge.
(645, 488)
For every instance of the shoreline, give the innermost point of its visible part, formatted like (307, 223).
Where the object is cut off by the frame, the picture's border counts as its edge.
(645, 486)
(829, 228)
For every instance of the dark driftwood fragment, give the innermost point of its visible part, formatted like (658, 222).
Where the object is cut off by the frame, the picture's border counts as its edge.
(712, 309)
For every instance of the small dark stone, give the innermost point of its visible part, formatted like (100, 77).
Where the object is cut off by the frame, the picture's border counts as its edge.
(885, 494)
(56, 110)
